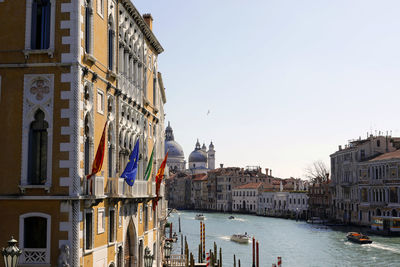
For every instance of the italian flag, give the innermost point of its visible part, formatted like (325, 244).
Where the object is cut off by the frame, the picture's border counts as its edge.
(147, 174)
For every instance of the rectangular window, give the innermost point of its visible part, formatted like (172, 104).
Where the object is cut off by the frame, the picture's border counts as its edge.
(100, 102)
(40, 26)
(111, 227)
(100, 7)
(88, 230)
(100, 220)
(88, 26)
(35, 232)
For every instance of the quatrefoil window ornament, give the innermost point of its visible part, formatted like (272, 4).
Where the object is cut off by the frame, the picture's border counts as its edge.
(39, 88)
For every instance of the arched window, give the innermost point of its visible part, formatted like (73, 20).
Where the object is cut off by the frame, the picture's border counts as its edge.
(88, 26)
(40, 28)
(37, 160)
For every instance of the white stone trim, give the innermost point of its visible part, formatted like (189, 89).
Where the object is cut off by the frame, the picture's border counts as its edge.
(109, 225)
(28, 25)
(101, 217)
(84, 231)
(22, 235)
(30, 105)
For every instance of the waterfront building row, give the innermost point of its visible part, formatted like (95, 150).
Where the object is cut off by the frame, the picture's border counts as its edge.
(68, 71)
(237, 190)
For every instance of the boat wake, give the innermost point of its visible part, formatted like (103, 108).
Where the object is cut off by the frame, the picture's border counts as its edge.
(225, 237)
(384, 247)
(240, 219)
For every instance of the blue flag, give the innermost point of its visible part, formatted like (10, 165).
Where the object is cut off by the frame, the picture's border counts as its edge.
(131, 168)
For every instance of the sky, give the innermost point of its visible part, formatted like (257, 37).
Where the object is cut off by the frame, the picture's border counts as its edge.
(285, 81)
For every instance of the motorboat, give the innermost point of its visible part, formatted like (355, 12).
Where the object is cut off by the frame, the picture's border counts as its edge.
(358, 238)
(199, 217)
(240, 238)
(316, 220)
(231, 217)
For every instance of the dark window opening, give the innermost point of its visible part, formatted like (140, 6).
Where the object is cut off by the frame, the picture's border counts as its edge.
(40, 31)
(35, 232)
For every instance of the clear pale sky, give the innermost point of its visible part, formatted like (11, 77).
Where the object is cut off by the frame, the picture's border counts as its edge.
(286, 81)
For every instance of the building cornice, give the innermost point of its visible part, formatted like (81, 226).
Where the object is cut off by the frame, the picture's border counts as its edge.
(142, 25)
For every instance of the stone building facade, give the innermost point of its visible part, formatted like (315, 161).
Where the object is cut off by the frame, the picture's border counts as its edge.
(345, 173)
(69, 70)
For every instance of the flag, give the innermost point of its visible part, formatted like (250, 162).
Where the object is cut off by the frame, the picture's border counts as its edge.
(147, 174)
(159, 177)
(131, 168)
(98, 160)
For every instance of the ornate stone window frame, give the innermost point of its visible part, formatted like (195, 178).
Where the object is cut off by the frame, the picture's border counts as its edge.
(22, 217)
(34, 100)
(28, 31)
(86, 211)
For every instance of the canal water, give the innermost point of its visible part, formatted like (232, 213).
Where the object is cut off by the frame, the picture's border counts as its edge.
(298, 243)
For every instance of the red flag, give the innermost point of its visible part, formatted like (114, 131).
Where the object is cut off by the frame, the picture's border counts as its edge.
(98, 160)
(159, 178)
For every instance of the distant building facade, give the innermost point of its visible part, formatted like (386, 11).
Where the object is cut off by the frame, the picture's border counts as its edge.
(245, 197)
(346, 166)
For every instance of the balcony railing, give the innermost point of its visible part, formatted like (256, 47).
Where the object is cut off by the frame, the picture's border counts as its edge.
(93, 186)
(138, 190)
(35, 256)
(116, 186)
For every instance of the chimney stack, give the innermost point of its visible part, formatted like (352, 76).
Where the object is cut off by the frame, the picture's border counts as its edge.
(266, 171)
(270, 173)
(149, 20)
(221, 165)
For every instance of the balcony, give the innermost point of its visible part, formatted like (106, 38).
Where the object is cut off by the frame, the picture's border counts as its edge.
(40, 256)
(138, 190)
(115, 186)
(94, 187)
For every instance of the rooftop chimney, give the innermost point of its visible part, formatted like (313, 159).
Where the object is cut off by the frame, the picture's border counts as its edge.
(340, 148)
(266, 171)
(149, 20)
(270, 173)
(221, 165)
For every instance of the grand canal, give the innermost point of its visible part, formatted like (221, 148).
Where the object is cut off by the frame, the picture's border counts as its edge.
(298, 243)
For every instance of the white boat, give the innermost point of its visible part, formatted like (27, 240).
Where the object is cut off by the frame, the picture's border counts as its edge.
(240, 238)
(199, 217)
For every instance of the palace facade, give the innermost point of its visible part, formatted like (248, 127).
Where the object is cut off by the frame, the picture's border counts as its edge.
(68, 71)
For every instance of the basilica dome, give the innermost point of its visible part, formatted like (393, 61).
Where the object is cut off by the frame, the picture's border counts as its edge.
(198, 155)
(174, 149)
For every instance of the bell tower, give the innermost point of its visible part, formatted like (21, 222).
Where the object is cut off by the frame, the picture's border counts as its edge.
(211, 156)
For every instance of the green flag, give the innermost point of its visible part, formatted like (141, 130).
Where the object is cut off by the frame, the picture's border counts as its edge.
(149, 166)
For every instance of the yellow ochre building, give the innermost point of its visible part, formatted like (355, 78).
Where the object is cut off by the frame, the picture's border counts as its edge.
(66, 68)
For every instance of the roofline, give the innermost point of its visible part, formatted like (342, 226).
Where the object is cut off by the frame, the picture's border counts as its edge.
(143, 25)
